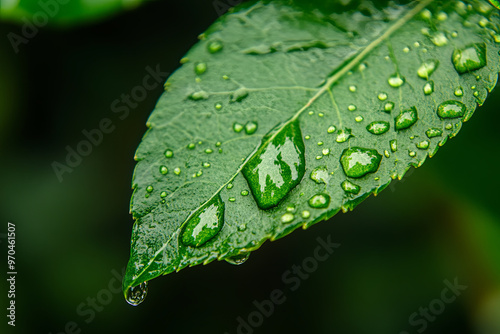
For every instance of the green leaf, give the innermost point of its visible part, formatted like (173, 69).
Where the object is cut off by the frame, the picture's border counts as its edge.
(283, 115)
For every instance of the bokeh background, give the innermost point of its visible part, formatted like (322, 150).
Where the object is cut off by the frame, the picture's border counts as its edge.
(439, 223)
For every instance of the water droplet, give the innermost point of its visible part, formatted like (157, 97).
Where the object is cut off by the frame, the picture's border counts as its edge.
(163, 194)
(250, 128)
(230, 186)
(320, 175)
(451, 109)
(321, 114)
(406, 49)
(325, 151)
(359, 119)
(387, 154)
(311, 113)
(277, 167)
(169, 153)
(237, 127)
(204, 224)
(427, 68)
(242, 227)
(320, 143)
(350, 187)
(406, 119)
(136, 295)
(307, 137)
(199, 173)
(319, 201)
(351, 107)
(206, 164)
(163, 170)
(439, 39)
(177, 171)
(423, 145)
(412, 154)
(459, 92)
(471, 58)
(343, 135)
(396, 80)
(149, 189)
(209, 150)
(218, 106)
(290, 208)
(191, 146)
(382, 96)
(389, 106)
(200, 95)
(476, 94)
(239, 94)
(358, 161)
(433, 132)
(287, 218)
(426, 14)
(448, 126)
(394, 145)
(305, 214)
(352, 88)
(331, 129)
(244, 193)
(442, 16)
(214, 46)
(184, 60)
(238, 259)
(429, 88)
(200, 68)
(378, 127)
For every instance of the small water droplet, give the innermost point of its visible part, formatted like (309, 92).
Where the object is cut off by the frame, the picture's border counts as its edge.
(439, 39)
(442, 16)
(325, 151)
(277, 167)
(412, 154)
(343, 135)
(433, 132)
(307, 137)
(359, 119)
(200, 68)
(242, 227)
(320, 143)
(311, 113)
(244, 193)
(239, 94)
(459, 92)
(237, 127)
(350, 187)
(199, 173)
(476, 94)
(191, 146)
(396, 80)
(352, 88)
(378, 127)
(177, 171)
(231, 199)
(287, 218)
(406, 119)
(206, 164)
(423, 145)
(320, 175)
(451, 109)
(426, 14)
(251, 127)
(448, 126)
(169, 153)
(331, 129)
(230, 186)
(290, 208)
(351, 107)
(406, 49)
(394, 145)
(382, 96)
(305, 214)
(218, 106)
(214, 46)
(387, 154)
(136, 295)
(389, 106)
(427, 68)
(209, 151)
(204, 224)
(149, 189)
(238, 259)
(358, 161)
(200, 95)
(163, 194)
(163, 170)
(321, 114)
(471, 58)
(319, 201)
(429, 88)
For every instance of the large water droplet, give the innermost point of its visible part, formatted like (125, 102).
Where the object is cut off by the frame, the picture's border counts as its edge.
(319, 201)
(350, 187)
(358, 161)
(320, 175)
(277, 167)
(204, 224)
(427, 68)
(406, 118)
(250, 128)
(471, 58)
(136, 295)
(396, 80)
(451, 109)
(378, 127)
(343, 135)
(238, 259)
(433, 132)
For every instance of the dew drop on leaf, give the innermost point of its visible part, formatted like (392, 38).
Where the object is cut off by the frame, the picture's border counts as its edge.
(136, 295)
(378, 127)
(350, 187)
(238, 259)
(389, 106)
(351, 107)
(214, 46)
(319, 175)
(163, 194)
(244, 193)
(200, 95)
(177, 171)
(331, 129)
(358, 161)
(451, 109)
(169, 153)
(352, 88)
(319, 201)
(239, 94)
(394, 145)
(204, 224)
(406, 118)
(218, 106)
(149, 189)
(382, 96)
(459, 92)
(427, 68)
(429, 88)
(277, 166)
(305, 214)
(396, 80)
(423, 145)
(163, 170)
(470, 58)
(237, 127)
(200, 68)
(250, 128)
(343, 135)
(287, 218)
(433, 132)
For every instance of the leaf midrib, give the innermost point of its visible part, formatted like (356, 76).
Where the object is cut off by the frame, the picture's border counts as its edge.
(332, 80)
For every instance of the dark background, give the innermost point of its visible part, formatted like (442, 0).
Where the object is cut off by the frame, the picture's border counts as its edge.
(441, 223)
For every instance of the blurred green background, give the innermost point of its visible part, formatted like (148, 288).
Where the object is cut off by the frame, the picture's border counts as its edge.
(440, 223)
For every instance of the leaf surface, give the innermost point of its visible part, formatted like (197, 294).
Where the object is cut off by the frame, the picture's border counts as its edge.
(282, 115)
